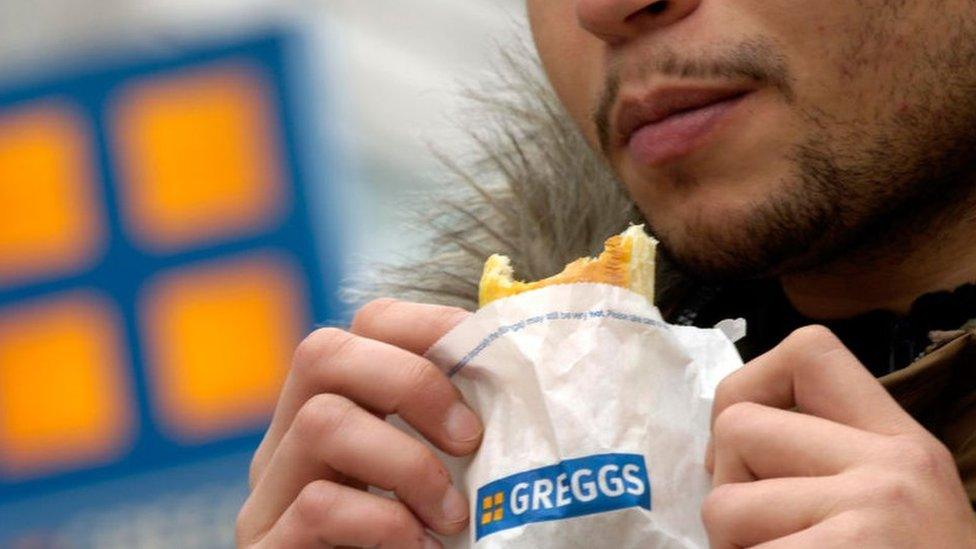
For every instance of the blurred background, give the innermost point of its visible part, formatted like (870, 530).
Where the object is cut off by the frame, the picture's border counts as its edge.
(183, 187)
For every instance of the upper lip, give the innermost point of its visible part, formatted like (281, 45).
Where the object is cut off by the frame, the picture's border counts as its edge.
(636, 112)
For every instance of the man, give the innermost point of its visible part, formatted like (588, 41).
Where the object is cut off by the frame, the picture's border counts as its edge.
(801, 162)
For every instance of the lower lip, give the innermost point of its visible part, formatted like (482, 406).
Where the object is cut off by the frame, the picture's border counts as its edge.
(677, 135)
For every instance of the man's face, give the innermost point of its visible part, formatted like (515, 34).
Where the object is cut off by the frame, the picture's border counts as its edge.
(764, 136)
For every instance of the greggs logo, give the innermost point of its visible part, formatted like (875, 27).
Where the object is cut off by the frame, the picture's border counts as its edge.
(572, 488)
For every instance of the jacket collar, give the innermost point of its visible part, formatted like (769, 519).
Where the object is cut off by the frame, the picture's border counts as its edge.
(939, 390)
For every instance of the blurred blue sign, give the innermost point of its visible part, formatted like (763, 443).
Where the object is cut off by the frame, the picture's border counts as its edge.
(157, 269)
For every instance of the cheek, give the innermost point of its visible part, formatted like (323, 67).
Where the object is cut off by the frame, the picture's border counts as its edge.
(840, 58)
(571, 57)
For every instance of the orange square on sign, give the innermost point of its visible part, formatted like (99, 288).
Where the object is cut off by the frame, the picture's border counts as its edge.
(50, 221)
(199, 156)
(64, 398)
(220, 340)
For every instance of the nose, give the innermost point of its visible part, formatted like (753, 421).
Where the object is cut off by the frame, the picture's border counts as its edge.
(617, 21)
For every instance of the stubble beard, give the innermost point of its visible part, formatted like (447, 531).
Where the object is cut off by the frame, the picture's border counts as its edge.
(857, 194)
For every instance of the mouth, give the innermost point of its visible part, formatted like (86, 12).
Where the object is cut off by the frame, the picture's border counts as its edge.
(669, 123)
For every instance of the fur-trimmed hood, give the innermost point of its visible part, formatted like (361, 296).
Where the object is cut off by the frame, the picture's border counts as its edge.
(534, 191)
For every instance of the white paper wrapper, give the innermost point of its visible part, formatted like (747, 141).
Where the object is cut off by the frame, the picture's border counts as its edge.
(596, 419)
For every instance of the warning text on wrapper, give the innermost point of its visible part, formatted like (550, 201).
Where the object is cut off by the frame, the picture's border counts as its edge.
(572, 488)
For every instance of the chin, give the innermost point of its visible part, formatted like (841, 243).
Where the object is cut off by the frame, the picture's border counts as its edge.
(729, 217)
(718, 242)
(707, 256)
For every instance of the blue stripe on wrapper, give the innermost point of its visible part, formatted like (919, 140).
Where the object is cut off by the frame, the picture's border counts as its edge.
(571, 488)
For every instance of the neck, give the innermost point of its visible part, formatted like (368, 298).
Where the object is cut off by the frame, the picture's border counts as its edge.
(892, 280)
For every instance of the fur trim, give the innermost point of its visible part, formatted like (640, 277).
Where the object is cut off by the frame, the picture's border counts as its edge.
(535, 191)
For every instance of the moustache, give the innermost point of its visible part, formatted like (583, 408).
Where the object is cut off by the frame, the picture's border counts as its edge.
(756, 60)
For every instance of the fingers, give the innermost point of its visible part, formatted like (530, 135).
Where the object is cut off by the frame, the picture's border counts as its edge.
(785, 477)
(813, 372)
(850, 529)
(331, 436)
(380, 377)
(414, 327)
(326, 435)
(752, 441)
(747, 514)
(327, 514)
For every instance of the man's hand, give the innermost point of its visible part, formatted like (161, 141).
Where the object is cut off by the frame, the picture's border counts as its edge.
(328, 439)
(809, 450)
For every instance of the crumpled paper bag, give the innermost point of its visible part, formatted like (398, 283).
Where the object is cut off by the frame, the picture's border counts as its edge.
(596, 419)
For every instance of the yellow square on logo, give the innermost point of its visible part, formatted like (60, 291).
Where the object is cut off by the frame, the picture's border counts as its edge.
(199, 156)
(64, 395)
(219, 342)
(50, 222)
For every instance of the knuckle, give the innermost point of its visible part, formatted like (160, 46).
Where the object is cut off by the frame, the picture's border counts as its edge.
(814, 335)
(727, 392)
(315, 502)
(317, 356)
(424, 469)
(322, 415)
(421, 377)
(366, 316)
(809, 349)
(399, 524)
(736, 420)
(718, 506)
(922, 457)
(418, 387)
(894, 492)
(855, 529)
(319, 344)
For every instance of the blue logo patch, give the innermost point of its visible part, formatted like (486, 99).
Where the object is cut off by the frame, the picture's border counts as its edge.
(572, 488)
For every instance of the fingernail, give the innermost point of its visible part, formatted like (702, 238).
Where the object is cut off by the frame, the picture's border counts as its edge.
(431, 543)
(454, 507)
(461, 424)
